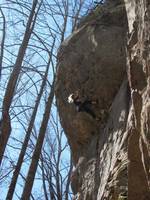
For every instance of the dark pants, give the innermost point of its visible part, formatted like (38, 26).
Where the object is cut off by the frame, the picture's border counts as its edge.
(85, 107)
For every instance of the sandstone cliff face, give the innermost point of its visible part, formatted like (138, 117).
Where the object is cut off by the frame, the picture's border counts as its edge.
(108, 59)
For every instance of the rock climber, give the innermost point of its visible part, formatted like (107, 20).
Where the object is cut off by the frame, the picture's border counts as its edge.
(82, 105)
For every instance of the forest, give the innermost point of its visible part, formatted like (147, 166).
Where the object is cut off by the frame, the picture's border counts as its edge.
(34, 154)
(74, 100)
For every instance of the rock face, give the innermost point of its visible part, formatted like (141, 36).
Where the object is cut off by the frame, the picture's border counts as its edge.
(107, 59)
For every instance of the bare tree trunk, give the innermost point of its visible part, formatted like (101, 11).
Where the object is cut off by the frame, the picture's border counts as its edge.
(28, 133)
(51, 188)
(68, 180)
(65, 21)
(2, 42)
(58, 183)
(36, 154)
(43, 179)
(5, 125)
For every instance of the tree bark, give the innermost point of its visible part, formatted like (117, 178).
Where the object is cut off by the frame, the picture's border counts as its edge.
(5, 125)
(2, 42)
(36, 154)
(28, 132)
